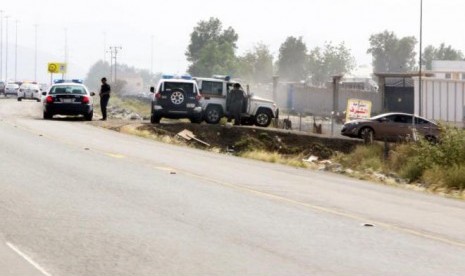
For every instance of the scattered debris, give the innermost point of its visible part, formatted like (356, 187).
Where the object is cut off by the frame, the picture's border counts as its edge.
(380, 176)
(311, 159)
(349, 171)
(189, 135)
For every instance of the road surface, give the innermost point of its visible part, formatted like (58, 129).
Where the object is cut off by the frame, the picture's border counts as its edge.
(81, 200)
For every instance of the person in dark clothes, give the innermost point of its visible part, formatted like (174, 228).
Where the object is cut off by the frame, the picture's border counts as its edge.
(236, 99)
(104, 97)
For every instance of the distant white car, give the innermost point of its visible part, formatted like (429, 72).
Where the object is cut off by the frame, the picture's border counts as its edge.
(11, 89)
(29, 91)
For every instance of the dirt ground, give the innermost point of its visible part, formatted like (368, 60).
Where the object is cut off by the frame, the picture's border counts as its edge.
(238, 139)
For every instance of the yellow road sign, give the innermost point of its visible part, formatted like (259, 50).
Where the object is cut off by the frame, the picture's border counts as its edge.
(56, 68)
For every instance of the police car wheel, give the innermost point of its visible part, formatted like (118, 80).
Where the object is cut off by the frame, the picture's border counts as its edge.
(213, 114)
(263, 118)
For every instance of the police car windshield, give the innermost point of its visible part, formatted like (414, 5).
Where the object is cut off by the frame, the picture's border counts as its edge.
(67, 89)
(186, 87)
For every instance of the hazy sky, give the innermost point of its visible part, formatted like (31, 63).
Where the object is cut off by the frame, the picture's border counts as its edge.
(130, 24)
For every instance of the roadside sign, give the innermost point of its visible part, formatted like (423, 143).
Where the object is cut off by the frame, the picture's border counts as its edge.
(358, 109)
(56, 68)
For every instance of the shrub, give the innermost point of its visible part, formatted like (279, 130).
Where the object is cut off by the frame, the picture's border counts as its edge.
(447, 177)
(399, 156)
(363, 157)
(411, 169)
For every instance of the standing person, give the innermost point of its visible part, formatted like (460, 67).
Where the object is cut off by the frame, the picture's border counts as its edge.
(236, 99)
(104, 97)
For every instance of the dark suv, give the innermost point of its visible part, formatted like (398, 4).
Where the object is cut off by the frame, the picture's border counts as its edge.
(176, 98)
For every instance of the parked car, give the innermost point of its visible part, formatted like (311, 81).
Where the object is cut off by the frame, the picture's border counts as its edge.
(391, 126)
(12, 89)
(215, 93)
(68, 98)
(29, 91)
(176, 97)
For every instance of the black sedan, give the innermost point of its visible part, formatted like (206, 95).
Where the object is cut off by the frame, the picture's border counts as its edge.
(68, 99)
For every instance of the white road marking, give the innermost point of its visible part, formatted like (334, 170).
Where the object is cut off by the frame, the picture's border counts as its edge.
(28, 259)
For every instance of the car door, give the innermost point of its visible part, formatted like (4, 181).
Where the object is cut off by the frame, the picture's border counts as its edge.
(401, 126)
(393, 127)
(426, 128)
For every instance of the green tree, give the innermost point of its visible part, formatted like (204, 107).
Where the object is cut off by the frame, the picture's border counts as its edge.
(292, 61)
(442, 53)
(391, 54)
(332, 60)
(256, 65)
(96, 72)
(102, 69)
(212, 49)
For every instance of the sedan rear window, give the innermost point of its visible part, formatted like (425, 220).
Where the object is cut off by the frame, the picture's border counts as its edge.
(67, 89)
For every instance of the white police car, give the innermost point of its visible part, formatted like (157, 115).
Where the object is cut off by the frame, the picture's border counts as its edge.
(68, 98)
(29, 91)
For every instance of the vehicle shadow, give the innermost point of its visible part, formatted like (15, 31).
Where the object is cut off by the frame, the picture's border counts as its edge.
(64, 119)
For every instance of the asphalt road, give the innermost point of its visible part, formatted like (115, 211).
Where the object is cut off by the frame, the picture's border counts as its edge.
(80, 200)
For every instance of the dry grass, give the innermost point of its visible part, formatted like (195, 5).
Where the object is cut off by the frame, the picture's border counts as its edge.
(274, 157)
(132, 130)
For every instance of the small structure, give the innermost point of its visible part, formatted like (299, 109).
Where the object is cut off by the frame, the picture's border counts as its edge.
(397, 91)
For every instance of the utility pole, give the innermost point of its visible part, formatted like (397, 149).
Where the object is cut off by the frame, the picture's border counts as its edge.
(1, 44)
(6, 50)
(114, 55)
(111, 63)
(35, 53)
(104, 47)
(66, 53)
(16, 52)
(151, 55)
(420, 98)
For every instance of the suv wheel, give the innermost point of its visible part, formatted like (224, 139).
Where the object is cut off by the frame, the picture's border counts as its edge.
(155, 119)
(213, 114)
(263, 118)
(177, 97)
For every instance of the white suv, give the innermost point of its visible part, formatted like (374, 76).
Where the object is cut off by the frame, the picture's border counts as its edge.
(176, 97)
(215, 92)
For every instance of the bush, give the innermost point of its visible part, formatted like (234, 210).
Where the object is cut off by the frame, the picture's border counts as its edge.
(364, 157)
(451, 178)
(411, 169)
